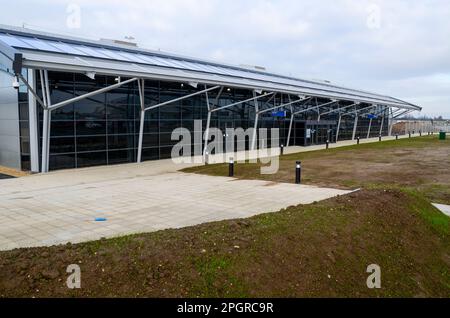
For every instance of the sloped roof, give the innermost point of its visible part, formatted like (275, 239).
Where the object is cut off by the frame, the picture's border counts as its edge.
(62, 53)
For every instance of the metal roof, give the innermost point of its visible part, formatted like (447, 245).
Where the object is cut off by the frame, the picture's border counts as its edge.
(61, 53)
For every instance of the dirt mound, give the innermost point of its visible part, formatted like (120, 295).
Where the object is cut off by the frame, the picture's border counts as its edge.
(316, 250)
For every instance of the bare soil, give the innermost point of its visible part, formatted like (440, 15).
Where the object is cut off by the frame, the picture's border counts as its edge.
(317, 250)
(418, 163)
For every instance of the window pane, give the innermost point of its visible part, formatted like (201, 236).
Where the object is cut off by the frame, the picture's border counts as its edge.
(89, 128)
(91, 143)
(89, 159)
(121, 141)
(66, 161)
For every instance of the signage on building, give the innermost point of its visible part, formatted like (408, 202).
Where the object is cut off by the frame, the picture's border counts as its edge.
(279, 114)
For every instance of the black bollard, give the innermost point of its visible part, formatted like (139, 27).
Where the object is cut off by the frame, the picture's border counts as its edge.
(409, 134)
(379, 137)
(298, 173)
(282, 150)
(420, 133)
(357, 141)
(328, 144)
(231, 168)
(396, 137)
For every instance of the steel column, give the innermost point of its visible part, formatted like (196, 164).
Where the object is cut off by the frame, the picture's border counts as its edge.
(141, 87)
(208, 122)
(33, 122)
(46, 122)
(256, 123)
(338, 127)
(382, 123)
(290, 130)
(355, 126)
(370, 126)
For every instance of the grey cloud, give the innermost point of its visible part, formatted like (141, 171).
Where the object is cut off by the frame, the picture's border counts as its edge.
(327, 39)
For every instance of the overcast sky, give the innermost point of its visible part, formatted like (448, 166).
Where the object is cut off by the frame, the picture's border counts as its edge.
(395, 47)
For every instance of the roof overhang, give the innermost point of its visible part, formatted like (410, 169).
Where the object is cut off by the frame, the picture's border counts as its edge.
(68, 63)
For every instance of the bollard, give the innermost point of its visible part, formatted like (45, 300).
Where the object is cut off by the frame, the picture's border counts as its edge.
(420, 133)
(357, 141)
(396, 137)
(328, 144)
(298, 173)
(231, 168)
(282, 150)
(409, 134)
(379, 137)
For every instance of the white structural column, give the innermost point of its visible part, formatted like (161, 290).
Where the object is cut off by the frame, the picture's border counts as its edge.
(170, 102)
(391, 122)
(255, 133)
(370, 126)
(290, 130)
(303, 111)
(259, 112)
(33, 123)
(208, 120)
(291, 122)
(355, 125)
(48, 108)
(382, 123)
(254, 99)
(46, 121)
(338, 127)
(141, 86)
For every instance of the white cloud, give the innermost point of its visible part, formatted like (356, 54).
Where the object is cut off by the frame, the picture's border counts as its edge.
(406, 55)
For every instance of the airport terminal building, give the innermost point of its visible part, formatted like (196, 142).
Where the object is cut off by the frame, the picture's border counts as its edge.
(68, 103)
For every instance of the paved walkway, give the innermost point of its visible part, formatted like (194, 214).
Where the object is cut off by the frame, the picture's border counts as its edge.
(62, 206)
(443, 208)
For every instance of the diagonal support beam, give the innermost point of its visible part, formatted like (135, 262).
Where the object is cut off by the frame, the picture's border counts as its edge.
(339, 109)
(99, 91)
(183, 97)
(141, 86)
(291, 123)
(284, 105)
(254, 98)
(40, 101)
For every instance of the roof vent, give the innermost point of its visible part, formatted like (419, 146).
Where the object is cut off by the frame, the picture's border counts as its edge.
(128, 41)
(253, 67)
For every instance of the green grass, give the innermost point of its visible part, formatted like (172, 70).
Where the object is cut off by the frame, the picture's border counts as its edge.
(418, 163)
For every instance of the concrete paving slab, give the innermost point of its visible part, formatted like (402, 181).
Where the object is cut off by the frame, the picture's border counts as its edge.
(61, 207)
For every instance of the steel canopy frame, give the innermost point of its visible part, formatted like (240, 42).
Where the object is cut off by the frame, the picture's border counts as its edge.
(259, 112)
(145, 109)
(303, 111)
(45, 102)
(150, 72)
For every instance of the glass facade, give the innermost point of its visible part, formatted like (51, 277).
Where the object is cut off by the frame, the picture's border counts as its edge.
(104, 129)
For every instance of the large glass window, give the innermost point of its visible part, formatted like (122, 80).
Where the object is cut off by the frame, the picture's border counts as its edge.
(103, 129)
